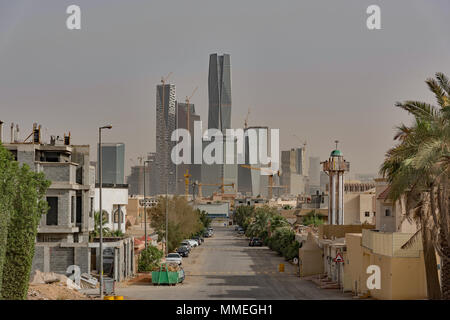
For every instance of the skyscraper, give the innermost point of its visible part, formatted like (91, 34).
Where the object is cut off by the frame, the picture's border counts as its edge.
(219, 117)
(165, 125)
(219, 92)
(113, 158)
(194, 169)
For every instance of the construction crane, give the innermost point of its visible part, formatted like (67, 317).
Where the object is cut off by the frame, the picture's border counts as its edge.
(188, 100)
(221, 185)
(272, 172)
(186, 182)
(246, 119)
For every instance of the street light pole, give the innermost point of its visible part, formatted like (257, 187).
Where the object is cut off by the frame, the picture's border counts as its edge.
(145, 208)
(100, 176)
(167, 216)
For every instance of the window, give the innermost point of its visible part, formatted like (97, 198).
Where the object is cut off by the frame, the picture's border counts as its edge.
(72, 210)
(367, 214)
(387, 212)
(79, 213)
(52, 214)
(91, 207)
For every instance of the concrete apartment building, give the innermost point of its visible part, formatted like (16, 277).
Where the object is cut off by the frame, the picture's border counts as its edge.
(63, 233)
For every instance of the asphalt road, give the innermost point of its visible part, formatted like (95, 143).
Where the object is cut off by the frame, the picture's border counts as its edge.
(225, 267)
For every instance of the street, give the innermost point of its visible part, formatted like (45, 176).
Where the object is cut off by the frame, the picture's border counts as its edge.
(225, 267)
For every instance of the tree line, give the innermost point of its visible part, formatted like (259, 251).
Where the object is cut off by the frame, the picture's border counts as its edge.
(22, 203)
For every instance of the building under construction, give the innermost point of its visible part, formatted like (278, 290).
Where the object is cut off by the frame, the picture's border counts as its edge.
(63, 233)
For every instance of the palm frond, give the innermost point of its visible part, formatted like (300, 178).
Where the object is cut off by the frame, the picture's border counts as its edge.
(437, 90)
(443, 82)
(415, 237)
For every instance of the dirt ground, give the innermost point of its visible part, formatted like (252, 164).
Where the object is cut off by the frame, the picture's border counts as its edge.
(54, 291)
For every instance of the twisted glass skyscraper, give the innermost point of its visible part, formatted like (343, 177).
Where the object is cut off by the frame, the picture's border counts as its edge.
(219, 92)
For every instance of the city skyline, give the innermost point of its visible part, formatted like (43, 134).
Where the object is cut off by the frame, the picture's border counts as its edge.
(74, 76)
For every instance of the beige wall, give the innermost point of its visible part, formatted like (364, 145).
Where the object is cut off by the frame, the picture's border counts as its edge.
(402, 278)
(327, 231)
(356, 205)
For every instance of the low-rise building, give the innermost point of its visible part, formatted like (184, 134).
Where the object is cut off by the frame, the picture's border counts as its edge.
(114, 203)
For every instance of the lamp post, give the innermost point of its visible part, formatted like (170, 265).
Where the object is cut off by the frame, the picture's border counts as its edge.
(145, 207)
(100, 201)
(167, 213)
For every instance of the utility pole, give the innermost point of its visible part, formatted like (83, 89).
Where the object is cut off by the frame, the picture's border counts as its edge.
(145, 208)
(100, 175)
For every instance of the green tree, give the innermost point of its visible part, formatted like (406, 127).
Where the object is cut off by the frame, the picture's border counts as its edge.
(149, 259)
(28, 205)
(418, 171)
(312, 218)
(8, 170)
(105, 230)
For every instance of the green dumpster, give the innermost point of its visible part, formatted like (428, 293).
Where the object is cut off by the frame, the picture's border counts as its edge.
(163, 276)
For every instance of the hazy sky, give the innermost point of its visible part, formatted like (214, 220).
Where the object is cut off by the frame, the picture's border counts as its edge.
(310, 68)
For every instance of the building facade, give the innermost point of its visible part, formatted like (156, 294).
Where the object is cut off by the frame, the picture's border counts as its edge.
(165, 125)
(113, 166)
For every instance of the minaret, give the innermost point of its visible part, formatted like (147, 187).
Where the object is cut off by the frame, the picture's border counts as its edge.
(335, 167)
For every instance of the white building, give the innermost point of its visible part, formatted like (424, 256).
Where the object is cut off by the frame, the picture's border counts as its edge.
(114, 202)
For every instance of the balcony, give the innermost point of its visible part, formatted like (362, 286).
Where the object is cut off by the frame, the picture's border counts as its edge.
(390, 243)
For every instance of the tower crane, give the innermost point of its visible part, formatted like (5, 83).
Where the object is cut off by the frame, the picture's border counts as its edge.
(186, 182)
(272, 173)
(221, 185)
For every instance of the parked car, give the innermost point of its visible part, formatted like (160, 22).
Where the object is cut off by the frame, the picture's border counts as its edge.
(174, 257)
(183, 251)
(192, 242)
(241, 231)
(206, 234)
(236, 228)
(186, 244)
(255, 242)
(197, 238)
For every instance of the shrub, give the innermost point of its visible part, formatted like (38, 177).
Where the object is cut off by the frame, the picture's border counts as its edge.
(149, 259)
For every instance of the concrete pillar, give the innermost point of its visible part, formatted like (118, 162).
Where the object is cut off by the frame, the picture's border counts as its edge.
(333, 198)
(341, 198)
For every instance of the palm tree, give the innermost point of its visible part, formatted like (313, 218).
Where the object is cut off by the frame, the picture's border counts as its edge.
(418, 172)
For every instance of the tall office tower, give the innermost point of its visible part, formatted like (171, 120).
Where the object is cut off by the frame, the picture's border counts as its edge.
(219, 92)
(336, 166)
(219, 117)
(314, 175)
(294, 171)
(251, 181)
(113, 166)
(194, 170)
(165, 125)
(324, 179)
(135, 180)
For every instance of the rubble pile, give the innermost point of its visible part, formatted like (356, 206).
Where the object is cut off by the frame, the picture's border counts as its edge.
(53, 286)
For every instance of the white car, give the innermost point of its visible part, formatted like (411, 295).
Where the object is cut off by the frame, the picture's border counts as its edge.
(192, 242)
(174, 257)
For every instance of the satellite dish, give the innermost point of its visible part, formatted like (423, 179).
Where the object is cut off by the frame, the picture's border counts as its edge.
(295, 260)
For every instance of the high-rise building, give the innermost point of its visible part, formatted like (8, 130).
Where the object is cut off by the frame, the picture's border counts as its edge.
(165, 125)
(251, 181)
(194, 170)
(219, 92)
(314, 175)
(113, 163)
(294, 171)
(219, 117)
